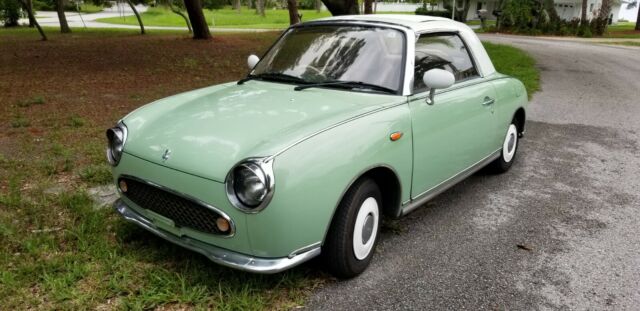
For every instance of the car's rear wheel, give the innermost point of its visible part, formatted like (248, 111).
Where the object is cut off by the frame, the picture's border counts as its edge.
(508, 153)
(354, 231)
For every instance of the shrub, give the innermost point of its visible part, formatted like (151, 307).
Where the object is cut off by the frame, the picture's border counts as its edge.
(9, 12)
(425, 11)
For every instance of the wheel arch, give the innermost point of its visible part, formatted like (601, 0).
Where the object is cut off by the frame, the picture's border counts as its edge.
(388, 180)
(519, 119)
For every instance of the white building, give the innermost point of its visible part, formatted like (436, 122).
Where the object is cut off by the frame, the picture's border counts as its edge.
(567, 9)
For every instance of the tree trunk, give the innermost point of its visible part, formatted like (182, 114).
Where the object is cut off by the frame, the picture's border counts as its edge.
(465, 11)
(603, 16)
(318, 5)
(583, 16)
(64, 26)
(368, 6)
(237, 5)
(177, 11)
(29, 11)
(260, 7)
(29, 7)
(198, 22)
(292, 6)
(342, 7)
(638, 20)
(133, 8)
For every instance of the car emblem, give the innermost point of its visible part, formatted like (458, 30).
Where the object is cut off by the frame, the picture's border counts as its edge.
(166, 154)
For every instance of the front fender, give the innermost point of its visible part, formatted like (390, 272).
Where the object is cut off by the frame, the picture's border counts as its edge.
(312, 176)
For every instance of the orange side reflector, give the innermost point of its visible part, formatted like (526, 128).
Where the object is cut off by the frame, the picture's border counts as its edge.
(395, 136)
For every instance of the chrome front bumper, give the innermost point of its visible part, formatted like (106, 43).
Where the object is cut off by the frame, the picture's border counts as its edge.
(220, 255)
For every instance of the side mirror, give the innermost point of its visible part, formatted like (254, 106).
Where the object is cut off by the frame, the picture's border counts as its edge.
(252, 61)
(437, 79)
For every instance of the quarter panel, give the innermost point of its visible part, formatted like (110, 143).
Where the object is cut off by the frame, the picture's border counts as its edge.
(311, 177)
(510, 95)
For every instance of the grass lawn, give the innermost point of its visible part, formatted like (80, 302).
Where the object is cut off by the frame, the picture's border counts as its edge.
(627, 43)
(246, 18)
(227, 17)
(622, 30)
(58, 250)
(516, 63)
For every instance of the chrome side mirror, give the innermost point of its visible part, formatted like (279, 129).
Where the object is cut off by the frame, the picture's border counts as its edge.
(437, 79)
(252, 61)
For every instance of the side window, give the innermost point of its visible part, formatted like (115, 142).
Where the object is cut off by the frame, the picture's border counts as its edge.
(443, 51)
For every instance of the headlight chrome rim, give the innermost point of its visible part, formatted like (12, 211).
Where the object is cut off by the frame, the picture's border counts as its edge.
(263, 167)
(116, 148)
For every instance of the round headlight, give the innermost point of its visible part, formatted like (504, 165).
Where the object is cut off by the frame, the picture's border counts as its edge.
(115, 143)
(249, 184)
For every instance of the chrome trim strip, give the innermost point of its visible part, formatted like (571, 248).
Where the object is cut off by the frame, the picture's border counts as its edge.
(403, 102)
(441, 187)
(224, 215)
(266, 165)
(305, 249)
(216, 254)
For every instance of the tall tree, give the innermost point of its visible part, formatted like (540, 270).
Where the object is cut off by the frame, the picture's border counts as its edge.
(32, 20)
(237, 5)
(292, 6)
(29, 11)
(260, 7)
(368, 6)
(198, 22)
(465, 11)
(318, 5)
(638, 20)
(583, 15)
(177, 11)
(603, 16)
(133, 8)
(64, 26)
(342, 7)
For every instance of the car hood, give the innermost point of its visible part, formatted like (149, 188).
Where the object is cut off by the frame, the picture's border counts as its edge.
(209, 130)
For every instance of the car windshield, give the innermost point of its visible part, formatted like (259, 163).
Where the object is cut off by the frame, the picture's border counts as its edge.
(319, 54)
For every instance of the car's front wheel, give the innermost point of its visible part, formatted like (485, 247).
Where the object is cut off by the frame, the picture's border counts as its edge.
(354, 231)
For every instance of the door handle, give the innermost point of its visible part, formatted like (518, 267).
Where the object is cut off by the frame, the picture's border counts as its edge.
(488, 101)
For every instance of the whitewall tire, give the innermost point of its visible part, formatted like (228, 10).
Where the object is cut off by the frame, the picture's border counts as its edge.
(354, 231)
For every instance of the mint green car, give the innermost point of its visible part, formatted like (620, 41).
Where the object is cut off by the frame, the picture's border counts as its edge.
(344, 121)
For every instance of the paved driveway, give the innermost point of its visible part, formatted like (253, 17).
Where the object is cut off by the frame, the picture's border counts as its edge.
(572, 199)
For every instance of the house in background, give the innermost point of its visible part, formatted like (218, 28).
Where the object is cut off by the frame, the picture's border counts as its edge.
(567, 9)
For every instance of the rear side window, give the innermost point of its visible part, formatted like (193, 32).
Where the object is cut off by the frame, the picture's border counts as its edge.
(443, 51)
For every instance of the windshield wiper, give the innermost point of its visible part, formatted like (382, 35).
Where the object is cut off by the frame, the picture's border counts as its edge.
(273, 76)
(350, 84)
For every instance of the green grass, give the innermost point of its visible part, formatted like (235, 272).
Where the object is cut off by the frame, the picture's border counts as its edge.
(223, 18)
(246, 18)
(515, 62)
(622, 30)
(627, 43)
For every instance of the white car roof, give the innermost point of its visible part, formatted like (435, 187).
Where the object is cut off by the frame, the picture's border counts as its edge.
(424, 24)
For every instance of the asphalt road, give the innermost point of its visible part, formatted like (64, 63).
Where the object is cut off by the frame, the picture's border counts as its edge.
(572, 198)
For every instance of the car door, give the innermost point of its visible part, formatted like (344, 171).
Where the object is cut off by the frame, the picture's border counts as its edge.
(457, 130)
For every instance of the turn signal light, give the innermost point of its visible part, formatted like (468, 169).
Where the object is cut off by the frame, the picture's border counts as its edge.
(395, 136)
(123, 186)
(222, 224)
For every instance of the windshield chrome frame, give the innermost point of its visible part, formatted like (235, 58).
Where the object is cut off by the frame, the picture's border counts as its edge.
(407, 71)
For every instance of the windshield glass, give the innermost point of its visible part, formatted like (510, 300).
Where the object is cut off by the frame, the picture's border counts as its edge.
(320, 54)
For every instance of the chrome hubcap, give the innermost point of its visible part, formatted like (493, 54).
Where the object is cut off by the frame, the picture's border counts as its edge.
(367, 229)
(512, 141)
